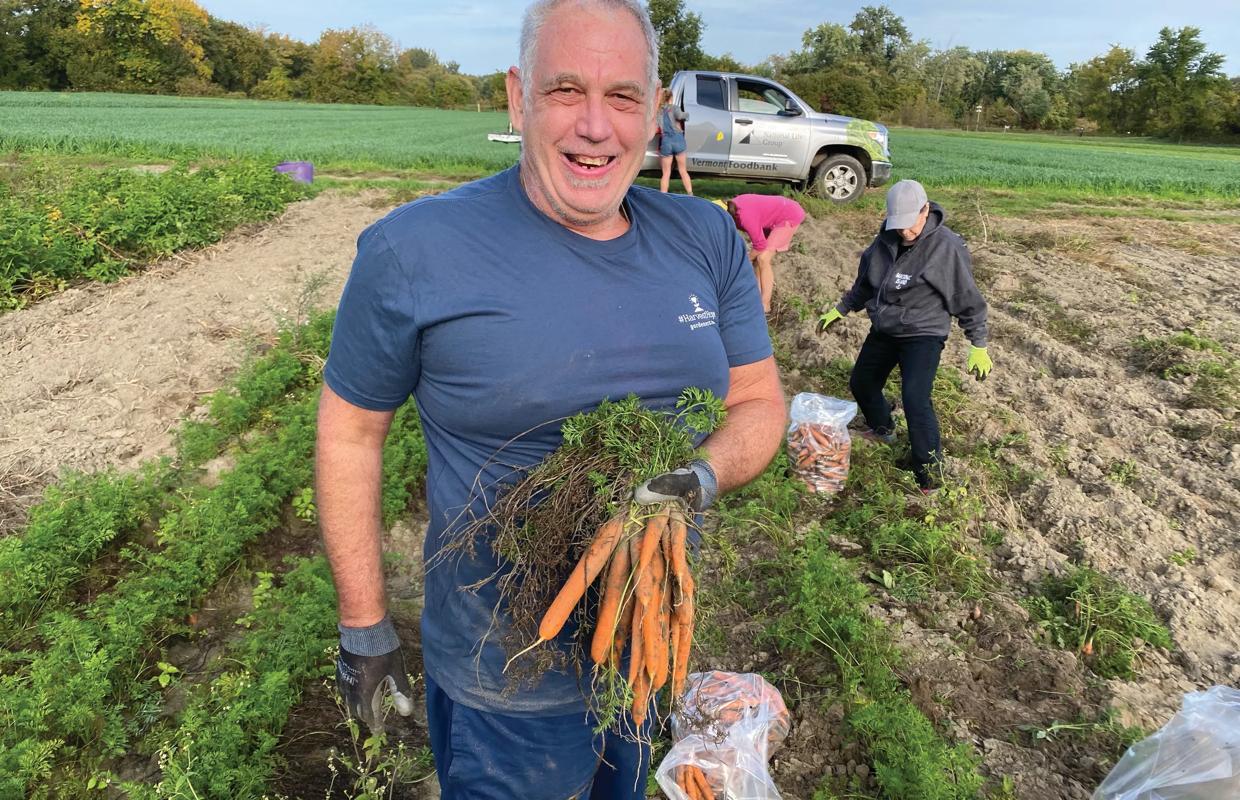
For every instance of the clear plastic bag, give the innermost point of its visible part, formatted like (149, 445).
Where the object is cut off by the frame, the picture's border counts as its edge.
(728, 726)
(1195, 756)
(818, 440)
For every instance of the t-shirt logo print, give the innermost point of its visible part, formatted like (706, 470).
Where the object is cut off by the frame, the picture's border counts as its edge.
(700, 317)
(902, 280)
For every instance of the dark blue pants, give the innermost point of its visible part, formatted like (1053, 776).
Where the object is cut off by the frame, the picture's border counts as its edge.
(485, 756)
(918, 359)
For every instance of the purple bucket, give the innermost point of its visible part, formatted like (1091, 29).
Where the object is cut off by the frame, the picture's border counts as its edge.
(300, 171)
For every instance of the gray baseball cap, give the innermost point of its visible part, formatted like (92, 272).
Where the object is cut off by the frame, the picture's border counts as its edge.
(905, 200)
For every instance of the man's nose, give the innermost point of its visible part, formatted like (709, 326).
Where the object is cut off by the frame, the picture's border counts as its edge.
(594, 121)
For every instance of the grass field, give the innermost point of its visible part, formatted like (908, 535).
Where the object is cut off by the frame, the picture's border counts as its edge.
(332, 136)
(371, 138)
(1102, 165)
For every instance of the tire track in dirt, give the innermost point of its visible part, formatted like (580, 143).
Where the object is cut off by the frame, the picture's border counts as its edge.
(100, 375)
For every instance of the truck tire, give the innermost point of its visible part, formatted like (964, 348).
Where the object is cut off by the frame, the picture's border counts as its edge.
(840, 179)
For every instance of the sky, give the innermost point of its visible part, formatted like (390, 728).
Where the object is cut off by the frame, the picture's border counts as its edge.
(481, 35)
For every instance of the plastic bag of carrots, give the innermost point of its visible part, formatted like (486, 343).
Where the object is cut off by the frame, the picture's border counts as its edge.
(725, 731)
(818, 440)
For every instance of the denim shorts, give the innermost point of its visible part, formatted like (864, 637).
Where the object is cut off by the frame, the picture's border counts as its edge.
(671, 144)
(480, 755)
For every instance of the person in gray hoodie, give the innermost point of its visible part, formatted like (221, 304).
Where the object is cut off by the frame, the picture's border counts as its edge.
(913, 278)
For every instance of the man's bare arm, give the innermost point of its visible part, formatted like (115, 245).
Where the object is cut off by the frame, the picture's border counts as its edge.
(749, 439)
(349, 485)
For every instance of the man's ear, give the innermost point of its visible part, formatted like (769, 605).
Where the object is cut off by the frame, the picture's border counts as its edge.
(653, 122)
(516, 98)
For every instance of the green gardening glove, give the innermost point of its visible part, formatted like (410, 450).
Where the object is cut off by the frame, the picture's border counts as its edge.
(826, 319)
(979, 363)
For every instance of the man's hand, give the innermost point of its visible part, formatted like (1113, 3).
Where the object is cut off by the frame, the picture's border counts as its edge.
(979, 363)
(363, 680)
(826, 319)
(694, 485)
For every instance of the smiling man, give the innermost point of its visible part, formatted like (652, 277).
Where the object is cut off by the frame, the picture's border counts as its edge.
(503, 307)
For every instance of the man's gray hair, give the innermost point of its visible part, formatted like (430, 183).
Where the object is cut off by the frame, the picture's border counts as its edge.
(536, 16)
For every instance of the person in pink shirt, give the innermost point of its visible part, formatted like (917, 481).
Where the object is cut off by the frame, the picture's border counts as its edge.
(769, 221)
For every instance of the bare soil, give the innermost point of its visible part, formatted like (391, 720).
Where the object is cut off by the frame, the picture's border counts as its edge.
(1067, 299)
(99, 377)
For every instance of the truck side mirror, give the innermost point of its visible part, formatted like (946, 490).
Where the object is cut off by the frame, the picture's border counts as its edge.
(790, 109)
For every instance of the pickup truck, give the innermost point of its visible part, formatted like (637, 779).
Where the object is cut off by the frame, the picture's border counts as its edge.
(752, 128)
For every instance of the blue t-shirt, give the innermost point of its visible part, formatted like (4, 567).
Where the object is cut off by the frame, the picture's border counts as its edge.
(501, 322)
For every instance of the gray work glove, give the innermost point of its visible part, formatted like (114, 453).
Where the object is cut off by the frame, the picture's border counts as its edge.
(694, 485)
(371, 663)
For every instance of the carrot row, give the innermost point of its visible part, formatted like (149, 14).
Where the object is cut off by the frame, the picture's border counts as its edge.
(820, 456)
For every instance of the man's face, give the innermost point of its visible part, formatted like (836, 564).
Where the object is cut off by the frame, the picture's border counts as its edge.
(910, 234)
(585, 125)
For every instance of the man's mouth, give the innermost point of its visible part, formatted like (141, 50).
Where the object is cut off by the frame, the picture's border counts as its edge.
(589, 163)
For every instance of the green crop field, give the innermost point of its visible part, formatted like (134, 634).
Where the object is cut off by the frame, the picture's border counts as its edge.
(1103, 165)
(332, 136)
(375, 138)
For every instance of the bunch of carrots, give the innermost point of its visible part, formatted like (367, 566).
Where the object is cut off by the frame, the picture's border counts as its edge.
(646, 600)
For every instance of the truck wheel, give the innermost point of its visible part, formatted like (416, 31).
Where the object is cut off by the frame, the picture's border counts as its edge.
(840, 179)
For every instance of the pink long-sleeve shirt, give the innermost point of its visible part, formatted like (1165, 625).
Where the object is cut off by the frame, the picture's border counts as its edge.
(759, 214)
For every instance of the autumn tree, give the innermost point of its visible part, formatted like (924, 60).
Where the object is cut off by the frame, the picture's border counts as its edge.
(138, 45)
(680, 37)
(354, 65)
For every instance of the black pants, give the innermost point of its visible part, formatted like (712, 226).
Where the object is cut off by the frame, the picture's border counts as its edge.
(918, 359)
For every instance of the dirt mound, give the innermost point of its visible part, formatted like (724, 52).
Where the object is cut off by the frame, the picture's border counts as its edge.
(100, 375)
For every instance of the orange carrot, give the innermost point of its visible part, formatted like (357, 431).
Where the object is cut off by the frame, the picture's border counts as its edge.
(641, 699)
(652, 600)
(584, 574)
(655, 526)
(624, 627)
(624, 630)
(609, 608)
(680, 669)
(679, 564)
(699, 777)
(637, 651)
(665, 633)
(687, 784)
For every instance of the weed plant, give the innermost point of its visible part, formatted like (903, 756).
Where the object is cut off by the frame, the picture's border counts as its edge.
(1091, 613)
(1213, 372)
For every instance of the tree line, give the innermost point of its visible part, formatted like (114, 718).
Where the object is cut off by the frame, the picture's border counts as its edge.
(176, 47)
(872, 68)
